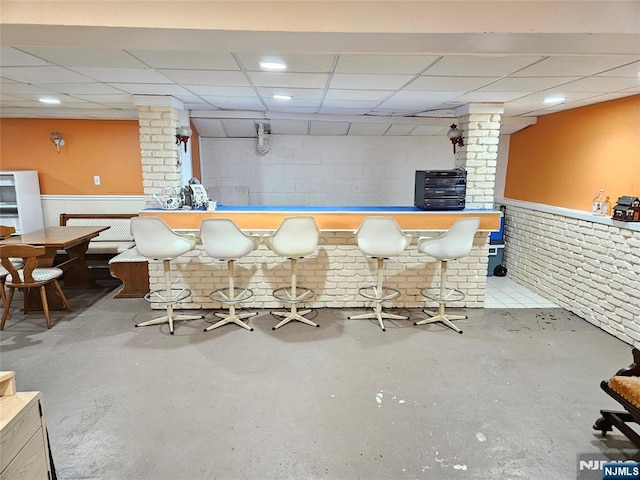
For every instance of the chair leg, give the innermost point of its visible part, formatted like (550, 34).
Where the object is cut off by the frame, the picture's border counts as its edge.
(440, 315)
(3, 294)
(377, 313)
(294, 313)
(169, 317)
(7, 305)
(63, 297)
(232, 316)
(45, 305)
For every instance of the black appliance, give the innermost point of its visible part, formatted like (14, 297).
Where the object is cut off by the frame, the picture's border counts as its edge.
(440, 189)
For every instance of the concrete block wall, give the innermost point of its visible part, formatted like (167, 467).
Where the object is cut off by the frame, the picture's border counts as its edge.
(335, 272)
(588, 268)
(324, 170)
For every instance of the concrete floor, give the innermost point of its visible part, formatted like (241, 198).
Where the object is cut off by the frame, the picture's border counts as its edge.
(514, 397)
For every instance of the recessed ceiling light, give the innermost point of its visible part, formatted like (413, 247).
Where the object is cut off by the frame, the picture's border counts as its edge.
(278, 96)
(556, 99)
(273, 65)
(49, 100)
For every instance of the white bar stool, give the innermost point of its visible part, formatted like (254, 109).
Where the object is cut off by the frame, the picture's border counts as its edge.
(222, 239)
(451, 245)
(295, 238)
(380, 238)
(156, 241)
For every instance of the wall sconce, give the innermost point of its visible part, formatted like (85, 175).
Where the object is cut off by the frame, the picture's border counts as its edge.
(182, 136)
(455, 135)
(56, 137)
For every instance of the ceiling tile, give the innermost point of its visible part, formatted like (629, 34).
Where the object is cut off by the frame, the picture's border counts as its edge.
(151, 88)
(80, 88)
(491, 97)
(574, 65)
(400, 130)
(240, 128)
(206, 77)
(37, 74)
(209, 127)
(187, 60)
(12, 57)
(354, 95)
(289, 127)
(296, 93)
(368, 129)
(384, 64)
(358, 104)
(294, 80)
(296, 63)
(602, 84)
(86, 57)
(222, 90)
(427, 130)
(448, 84)
(369, 82)
(26, 88)
(418, 101)
(107, 99)
(122, 75)
(234, 103)
(631, 70)
(523, 84)
(329, 128)
(480, 66)
(343, 111)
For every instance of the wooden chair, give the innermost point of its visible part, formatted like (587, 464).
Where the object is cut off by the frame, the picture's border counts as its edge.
(624, 387)
(29, 277)
(5, 231)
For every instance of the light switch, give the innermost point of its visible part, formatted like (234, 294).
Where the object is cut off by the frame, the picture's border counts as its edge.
(96, 179)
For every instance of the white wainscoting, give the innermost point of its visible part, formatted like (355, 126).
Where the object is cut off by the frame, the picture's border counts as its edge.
(54, 205)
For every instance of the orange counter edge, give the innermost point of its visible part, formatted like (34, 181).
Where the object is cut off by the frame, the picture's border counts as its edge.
(347, 221)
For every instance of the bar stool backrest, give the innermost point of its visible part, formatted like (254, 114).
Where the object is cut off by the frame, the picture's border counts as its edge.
(295, 237)
(381, 237)
(154, 239)
(454, 243)
(222, 239)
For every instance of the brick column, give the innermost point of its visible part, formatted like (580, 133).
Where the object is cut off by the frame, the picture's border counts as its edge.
(480, 126)
(158, 118)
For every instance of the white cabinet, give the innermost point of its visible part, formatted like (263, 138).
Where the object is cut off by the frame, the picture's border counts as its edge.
(20, 203)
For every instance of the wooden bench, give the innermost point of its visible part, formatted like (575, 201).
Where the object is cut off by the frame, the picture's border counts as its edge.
(114, 249)
(624, 387)
(109, 243)
(133, 269)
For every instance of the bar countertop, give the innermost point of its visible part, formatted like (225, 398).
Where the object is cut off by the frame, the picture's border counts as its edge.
(328, 218)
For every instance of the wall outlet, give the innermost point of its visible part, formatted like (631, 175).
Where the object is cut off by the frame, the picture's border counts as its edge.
(96, 179)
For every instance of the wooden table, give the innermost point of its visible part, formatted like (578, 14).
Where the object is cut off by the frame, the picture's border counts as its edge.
(73, 240)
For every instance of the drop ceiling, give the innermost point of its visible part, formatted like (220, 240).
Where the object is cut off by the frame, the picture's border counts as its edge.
(340, 84)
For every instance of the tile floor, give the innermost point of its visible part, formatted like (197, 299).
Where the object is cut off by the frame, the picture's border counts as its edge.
(502, 292)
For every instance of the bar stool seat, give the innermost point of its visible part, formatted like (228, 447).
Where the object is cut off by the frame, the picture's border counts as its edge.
(296, 238)
(457, 242)
(222, 239)
(156, 241)
(380, 238)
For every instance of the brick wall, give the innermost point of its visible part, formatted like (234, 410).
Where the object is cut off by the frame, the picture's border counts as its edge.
(478, 156)
(591, 269)
(335, 273)
(159, 153)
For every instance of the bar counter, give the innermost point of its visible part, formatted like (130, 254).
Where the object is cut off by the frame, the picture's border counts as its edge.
(338, 269)
(328, 218)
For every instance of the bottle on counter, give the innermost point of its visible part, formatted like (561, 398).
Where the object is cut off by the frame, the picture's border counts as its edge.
(606, 207)
(598, 203)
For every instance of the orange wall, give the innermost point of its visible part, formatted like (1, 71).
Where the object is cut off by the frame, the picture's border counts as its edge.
(108, 148)
(568, 156)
